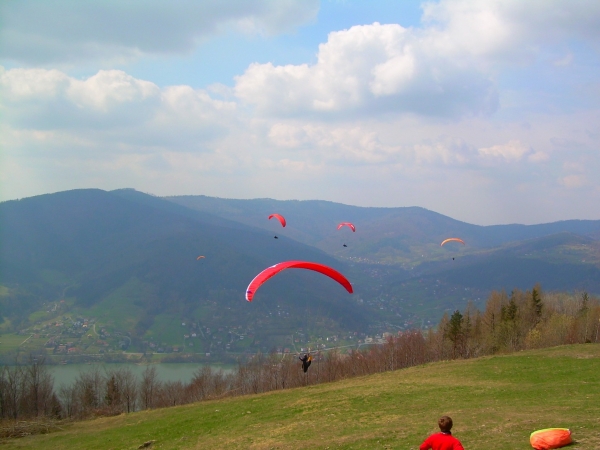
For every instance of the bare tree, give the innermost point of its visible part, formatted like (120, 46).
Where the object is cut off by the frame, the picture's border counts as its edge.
(90, 387)
(14, 387)
(69, 400)
(112, 398)
(39, 388)
(171, 393)
(149, 387)
(129, 390)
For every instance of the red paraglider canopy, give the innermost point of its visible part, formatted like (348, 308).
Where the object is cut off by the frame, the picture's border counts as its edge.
(348, 224)
(274, 270)
(278, 217)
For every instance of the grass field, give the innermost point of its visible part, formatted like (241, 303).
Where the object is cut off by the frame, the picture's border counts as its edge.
(118, 311)
(10, 342)
(166, 328)
(495, 402)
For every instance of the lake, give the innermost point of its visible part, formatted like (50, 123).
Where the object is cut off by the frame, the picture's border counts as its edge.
(184, 372)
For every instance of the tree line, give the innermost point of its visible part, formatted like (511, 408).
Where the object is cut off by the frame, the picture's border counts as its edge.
(522, 320)
(510, 322)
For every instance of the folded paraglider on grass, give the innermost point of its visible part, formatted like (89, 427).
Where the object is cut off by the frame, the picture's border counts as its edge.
(550, 438)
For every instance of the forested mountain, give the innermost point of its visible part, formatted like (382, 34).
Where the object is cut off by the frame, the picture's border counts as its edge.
(396, 257)
(90, 246)
(127, 261)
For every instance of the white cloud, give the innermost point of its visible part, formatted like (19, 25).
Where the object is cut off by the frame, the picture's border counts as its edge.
(509, 30)
(288, 136)
(468, 27)
(444, 152)
(371, 68)
(393, 75)
(111, 102)
(347, 144)
(512, 151)
(386, 116)
(37, 84)
(573, 181)
(49, 99)
(351, 143)
(41, 32)
(538, 157)
(109, 88)
(564, 61)
(448, 67)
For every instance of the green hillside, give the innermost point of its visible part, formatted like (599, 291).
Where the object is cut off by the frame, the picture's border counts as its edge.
(563, 261)
(86, 265)
(495, 402)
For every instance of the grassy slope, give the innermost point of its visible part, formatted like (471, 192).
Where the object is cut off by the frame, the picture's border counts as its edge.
(496, 402)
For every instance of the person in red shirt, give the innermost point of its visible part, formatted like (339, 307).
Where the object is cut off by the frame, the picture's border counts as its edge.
(444, 439)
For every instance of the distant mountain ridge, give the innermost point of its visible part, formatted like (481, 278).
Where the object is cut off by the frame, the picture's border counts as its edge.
(128, 259)
(388, 235)
(396, 252)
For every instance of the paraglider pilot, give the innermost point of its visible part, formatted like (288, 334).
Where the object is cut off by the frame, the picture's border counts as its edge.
(306, 360)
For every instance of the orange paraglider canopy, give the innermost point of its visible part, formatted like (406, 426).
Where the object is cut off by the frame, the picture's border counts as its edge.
(550, 438)
(452, 239)
(278, 217)
(274, 270)
(199, 257)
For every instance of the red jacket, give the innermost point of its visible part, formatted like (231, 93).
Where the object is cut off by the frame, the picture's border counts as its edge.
(441, 441)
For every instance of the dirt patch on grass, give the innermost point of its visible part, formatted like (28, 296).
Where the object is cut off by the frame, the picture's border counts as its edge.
(17, 429)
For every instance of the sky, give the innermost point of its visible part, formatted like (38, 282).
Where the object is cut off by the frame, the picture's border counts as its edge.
(487, 111)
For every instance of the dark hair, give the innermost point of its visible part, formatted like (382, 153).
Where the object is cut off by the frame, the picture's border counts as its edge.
(445, 424)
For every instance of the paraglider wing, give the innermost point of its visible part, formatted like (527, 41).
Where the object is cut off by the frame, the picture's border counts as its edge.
(278, 217)
(452, 239)
(274, 270)
(347, 224)
(550, 438)
(199, 257)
